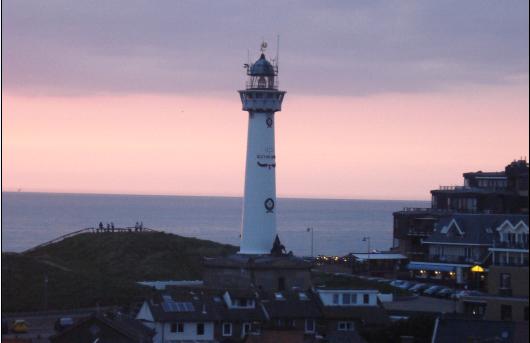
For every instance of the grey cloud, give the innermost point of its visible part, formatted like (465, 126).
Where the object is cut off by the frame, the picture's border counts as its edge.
(349, 48)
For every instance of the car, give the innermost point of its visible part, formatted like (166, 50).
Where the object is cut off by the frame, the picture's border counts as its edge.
(432, 290)
(20, 326)
(63, 322)
(465, 293)
(444, 293)
(396, 283)
(406, 285)
(419, 287)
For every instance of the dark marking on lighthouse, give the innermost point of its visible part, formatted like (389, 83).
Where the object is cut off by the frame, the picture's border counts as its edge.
(269, 205)
(267, 165)
(269, 122)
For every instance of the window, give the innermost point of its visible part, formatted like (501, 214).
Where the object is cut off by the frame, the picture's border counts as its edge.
(177, 327)
(506, 312)
(354, 299)
(200, 329)
(366, 298)
(227, 329)
(346, 299)
(246, 328)
(310, 325)
(336, 299)
(506, 281)
(345, 326)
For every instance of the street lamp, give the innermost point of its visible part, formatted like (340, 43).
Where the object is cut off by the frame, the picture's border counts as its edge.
(367, 239)
(310, 229)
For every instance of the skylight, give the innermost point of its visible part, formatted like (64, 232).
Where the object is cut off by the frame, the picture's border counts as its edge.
(169, 305)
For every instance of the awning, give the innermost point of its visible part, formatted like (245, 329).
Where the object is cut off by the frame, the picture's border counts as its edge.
(442, 267)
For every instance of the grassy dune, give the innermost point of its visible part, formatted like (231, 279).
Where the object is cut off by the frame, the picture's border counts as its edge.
(90, 269)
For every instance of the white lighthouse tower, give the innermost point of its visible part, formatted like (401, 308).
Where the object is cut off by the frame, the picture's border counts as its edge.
(261, 99)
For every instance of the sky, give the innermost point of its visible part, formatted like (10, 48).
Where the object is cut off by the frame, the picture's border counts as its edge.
(385, 99)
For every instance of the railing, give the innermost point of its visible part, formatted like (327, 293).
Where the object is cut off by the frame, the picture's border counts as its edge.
(510, 245)
(452, 188)
(443, 210)
(255, 83)
(418, 233)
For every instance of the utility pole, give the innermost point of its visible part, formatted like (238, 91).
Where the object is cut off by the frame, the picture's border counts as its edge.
(310, 229)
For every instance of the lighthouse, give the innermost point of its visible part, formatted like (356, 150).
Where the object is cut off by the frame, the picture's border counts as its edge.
(262, 99)
(262, 262)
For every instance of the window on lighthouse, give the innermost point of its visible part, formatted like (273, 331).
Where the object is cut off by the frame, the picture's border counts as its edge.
(262, 83)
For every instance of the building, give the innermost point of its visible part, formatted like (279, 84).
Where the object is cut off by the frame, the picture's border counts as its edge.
(261, 99)
(266, 272)
(262, 261)
(101, 329)
(504, 192)
(458, 330)
(461, 241)
(202, 315)
(293, 310)
(377, 264)
(507, 286)
(492, 192)
(349, 310)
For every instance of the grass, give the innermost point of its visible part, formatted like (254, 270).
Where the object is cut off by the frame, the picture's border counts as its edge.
(91, 269)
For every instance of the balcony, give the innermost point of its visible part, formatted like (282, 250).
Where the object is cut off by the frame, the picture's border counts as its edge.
(510, 245)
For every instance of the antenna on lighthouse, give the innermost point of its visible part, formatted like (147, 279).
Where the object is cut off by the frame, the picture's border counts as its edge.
(277, 52)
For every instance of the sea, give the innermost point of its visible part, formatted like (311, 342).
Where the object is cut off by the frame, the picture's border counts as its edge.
(339, 226)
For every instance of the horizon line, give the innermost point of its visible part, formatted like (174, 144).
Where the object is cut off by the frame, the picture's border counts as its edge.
(209, 195)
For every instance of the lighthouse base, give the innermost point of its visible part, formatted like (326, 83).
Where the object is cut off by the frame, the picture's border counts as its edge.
(266, 272)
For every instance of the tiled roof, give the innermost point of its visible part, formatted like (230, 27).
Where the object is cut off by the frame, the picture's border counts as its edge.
(467, 330)
(477, 228)
(371, 315)
(289, 305)
(132, 329)
(344, 337)
(277, 336)
(208, 305)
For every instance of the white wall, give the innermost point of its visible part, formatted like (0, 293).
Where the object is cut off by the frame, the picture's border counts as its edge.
(326, 296)
(190, 332)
